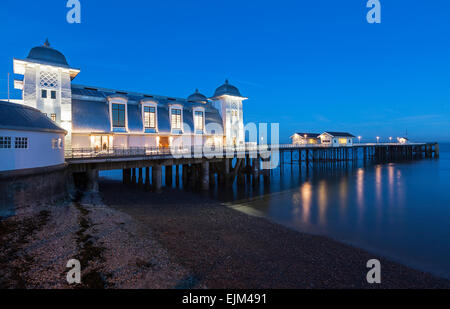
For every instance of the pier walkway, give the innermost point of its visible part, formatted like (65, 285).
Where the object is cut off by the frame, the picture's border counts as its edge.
(205, 166)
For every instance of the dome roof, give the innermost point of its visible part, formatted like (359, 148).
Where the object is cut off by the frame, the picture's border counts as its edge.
(227, 89)
(197, 97)
(47, 54)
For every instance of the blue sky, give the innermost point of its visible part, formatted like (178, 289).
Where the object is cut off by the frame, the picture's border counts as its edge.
(309, 65)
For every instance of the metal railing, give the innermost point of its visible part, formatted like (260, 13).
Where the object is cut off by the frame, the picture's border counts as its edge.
(194, 151)
(199, 151)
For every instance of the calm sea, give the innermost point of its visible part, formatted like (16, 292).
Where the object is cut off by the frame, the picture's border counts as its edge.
(398, 210)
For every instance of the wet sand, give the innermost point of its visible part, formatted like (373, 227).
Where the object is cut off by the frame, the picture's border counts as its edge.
(223, 248)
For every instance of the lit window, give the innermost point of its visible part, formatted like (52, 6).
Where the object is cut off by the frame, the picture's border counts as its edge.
(60, 143)
(44, 94)
(198, 120)
(5, 142)
(21, 143)
(118, 115)
(54, 143)
(53, 117)
(176, 119)
(53, 94)
(150, 117)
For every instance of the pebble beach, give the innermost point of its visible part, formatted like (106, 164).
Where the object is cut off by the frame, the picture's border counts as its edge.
(126, 237)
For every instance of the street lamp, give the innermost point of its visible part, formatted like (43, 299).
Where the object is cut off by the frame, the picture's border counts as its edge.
(390, 139)
(378, 139)
(359, 138)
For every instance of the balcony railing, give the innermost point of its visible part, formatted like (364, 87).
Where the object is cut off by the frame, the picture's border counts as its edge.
(196, 151)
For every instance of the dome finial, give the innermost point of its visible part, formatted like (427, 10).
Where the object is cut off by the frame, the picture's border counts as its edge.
(226, 81)
(47, 43)
(196, 90)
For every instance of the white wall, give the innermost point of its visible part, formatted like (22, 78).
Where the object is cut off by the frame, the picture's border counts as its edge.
(81, 141)
(38, 154)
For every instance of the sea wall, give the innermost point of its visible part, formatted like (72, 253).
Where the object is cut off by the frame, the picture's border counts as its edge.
(25, 188)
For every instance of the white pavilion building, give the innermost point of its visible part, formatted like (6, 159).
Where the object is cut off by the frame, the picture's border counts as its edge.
(100, 118)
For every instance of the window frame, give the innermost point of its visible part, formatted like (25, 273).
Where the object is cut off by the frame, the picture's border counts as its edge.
(149, 104)
(117, 99)
(5, 141)
(21, 143)
(194, 117)
(171, 109)
(121, 109)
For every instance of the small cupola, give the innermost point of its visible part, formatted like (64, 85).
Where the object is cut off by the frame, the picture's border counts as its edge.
(197, 97)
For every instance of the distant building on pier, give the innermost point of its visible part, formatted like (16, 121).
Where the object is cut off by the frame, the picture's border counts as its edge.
(337, 138)
(327, 138)
(305, 138)
(403, 140)
(102, 119)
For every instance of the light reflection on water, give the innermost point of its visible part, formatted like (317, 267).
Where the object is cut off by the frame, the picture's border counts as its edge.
(399, 210)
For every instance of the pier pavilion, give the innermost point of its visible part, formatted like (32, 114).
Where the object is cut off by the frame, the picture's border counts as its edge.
(104, 119)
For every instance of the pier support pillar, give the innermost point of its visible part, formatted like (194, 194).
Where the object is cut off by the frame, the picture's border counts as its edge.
(177, 175)
(185, 174)
(147, 177)
(126, 174)
(133, 175)
(157, 177)
(140, 179)
(205, 175)
(169, 179)
(92, 180)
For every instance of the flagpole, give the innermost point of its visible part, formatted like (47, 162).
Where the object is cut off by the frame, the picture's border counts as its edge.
(8, 86)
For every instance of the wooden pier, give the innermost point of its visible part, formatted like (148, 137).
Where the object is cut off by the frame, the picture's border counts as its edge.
(366, 152)
(146, 166)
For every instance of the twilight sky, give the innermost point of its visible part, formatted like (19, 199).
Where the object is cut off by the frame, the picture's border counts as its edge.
(309, 65)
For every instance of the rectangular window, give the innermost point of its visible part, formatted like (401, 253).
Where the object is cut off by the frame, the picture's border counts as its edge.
(5, 142)
(53, 94)
(44, 94)
(21, 143)
(53, 117)
(176, 119)
(150, 117)
(118, 115)
(198, 120)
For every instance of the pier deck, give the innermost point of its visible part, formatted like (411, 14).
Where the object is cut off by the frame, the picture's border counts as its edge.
(197, 165)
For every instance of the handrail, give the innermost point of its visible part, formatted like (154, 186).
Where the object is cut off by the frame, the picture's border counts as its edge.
(201, 151)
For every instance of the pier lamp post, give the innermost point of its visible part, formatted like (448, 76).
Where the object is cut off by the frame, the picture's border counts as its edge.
(378, 139)
(359, 138)
(390, 139)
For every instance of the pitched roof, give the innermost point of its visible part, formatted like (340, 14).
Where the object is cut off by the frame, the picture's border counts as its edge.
(15, 116)
(90, 112)
(335, 134)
